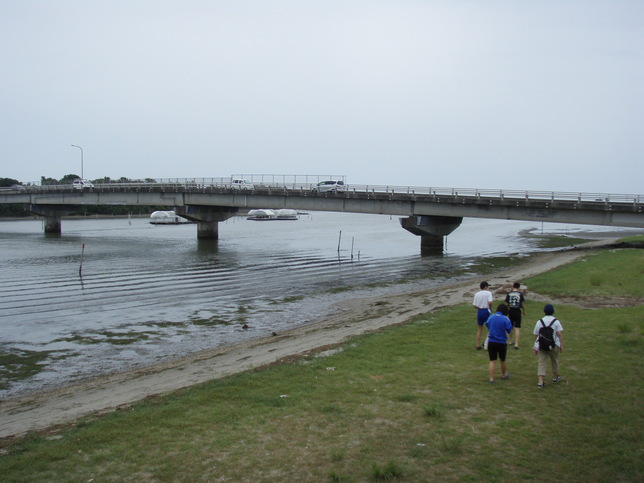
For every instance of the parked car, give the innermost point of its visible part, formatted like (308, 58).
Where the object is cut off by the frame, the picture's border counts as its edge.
(242, 184)
(80, 184)
(330, 186)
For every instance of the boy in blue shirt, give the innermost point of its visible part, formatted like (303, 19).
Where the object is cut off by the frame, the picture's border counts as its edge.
(498, 326)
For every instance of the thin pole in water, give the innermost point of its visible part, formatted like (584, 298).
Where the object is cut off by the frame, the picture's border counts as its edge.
(339, 238)
(80, 269)
(352, 238)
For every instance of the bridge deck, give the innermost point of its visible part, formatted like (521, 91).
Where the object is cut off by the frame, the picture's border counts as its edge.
(562, 207)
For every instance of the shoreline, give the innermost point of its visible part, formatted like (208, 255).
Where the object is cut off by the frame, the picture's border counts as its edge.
(353, 317)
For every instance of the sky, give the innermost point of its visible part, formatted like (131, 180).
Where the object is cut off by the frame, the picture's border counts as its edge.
(494, 94)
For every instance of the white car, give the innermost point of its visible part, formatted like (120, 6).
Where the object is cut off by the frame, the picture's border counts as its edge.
(80, 184)
(330, 186)
(242, 184)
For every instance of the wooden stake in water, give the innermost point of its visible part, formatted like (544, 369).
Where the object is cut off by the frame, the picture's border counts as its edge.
(80, 269)
(352, 238)
(339, 238)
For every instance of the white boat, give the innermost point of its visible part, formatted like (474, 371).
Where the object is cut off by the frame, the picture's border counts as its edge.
(286, 214)
(266, 214)
(261, 215)
(167, 218)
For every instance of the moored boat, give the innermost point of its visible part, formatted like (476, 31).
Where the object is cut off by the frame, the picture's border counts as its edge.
(267, 214)
(167, 218)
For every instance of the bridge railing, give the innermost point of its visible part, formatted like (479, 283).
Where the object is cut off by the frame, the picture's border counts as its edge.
(308, 182)
(499, 193)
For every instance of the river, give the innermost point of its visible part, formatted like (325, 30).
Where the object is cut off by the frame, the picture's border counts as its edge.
(152, 293)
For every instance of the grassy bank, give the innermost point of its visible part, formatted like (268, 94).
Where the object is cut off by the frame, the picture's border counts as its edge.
(410, 402)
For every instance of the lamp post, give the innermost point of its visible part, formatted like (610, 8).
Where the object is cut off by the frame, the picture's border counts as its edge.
(81, 149)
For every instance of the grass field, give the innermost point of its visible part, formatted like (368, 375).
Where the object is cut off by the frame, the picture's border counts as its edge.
(409, 403)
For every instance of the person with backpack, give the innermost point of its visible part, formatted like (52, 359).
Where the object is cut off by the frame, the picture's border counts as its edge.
(548, 345)
(515, 301)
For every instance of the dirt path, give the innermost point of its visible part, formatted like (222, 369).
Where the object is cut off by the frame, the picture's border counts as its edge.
(353, 317)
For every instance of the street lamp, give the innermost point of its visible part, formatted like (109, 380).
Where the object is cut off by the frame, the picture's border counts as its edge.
(74, 146)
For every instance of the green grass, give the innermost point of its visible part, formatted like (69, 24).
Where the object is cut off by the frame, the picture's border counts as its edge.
(409, 403)
(605, 273)
(639, 239)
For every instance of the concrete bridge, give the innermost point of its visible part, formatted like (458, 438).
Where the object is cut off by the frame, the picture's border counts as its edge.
(431, 213)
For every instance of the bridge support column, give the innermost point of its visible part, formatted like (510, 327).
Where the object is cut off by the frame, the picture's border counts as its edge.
(432, 244)
(208, 230)
(53, 224)
(432, 231)
(52, 215)
(207, 218)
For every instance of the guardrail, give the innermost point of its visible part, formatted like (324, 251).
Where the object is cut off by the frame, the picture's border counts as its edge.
(189, 184)
(225, 183)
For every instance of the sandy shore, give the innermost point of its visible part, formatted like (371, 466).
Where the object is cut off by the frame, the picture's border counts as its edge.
(353, 317)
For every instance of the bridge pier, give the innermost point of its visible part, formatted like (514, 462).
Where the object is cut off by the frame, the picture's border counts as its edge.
(432, 231)
(52, 215)
(432, 244)
(207, 218)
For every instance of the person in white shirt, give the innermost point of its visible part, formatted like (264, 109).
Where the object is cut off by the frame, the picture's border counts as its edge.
(482, 303)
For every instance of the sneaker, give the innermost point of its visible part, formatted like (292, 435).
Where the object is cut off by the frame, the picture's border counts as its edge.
(541, 385)
(478, 348)
(507, 376)
(492, 382)
(516, 348)
(556, 380)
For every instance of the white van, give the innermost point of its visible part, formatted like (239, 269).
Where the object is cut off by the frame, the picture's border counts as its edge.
(80, 184)
(242, 184)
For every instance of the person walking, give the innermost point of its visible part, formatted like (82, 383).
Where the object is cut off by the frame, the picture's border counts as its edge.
(515, 301)
(551, 353)
(482, 303)
(498, 326)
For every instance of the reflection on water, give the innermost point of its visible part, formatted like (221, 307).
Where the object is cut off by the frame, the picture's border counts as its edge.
(154, 292)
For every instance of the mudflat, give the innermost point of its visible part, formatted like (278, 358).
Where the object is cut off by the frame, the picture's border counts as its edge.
(353, 317)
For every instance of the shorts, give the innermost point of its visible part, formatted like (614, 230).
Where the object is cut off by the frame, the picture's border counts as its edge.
(515, 317)
(495, 349)
(482, 315)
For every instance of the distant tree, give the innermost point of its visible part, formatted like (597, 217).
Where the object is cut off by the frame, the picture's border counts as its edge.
(6, 182)
(68, 178)
(12, 209)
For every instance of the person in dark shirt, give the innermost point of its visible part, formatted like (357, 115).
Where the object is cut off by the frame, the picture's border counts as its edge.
(515, 301)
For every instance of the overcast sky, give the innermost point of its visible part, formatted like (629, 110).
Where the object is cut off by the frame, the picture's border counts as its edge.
(512, 94)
